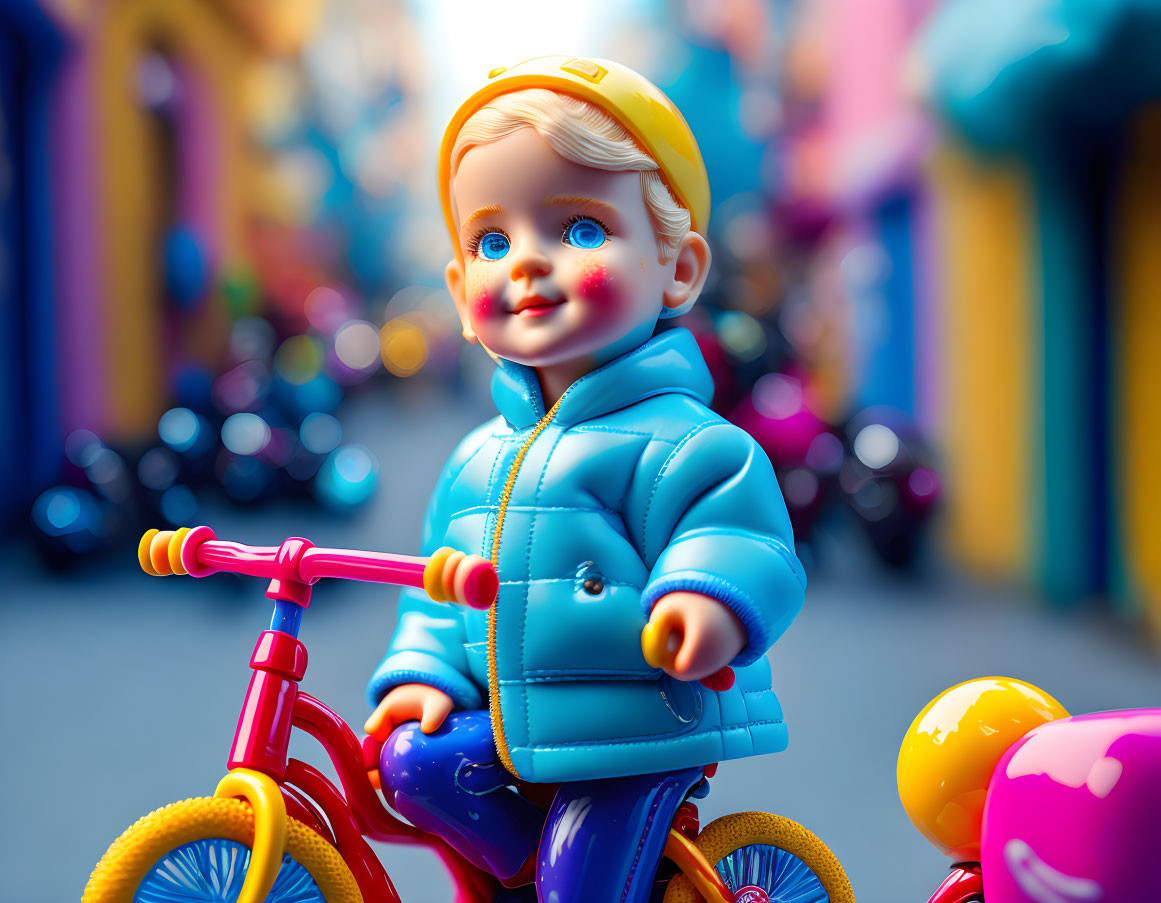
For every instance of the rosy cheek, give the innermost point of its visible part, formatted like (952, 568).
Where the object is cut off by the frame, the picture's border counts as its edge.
(479, 298)
(595, 284)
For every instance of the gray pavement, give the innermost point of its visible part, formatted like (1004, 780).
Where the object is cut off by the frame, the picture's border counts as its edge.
(120, 692)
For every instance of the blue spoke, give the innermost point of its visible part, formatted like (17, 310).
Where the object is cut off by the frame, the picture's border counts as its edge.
(782, 876)
(212, 871)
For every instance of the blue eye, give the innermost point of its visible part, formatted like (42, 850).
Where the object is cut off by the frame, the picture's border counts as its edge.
(493, 246)
(585, 233)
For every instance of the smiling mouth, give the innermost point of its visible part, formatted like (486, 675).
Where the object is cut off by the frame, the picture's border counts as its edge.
(536, 306)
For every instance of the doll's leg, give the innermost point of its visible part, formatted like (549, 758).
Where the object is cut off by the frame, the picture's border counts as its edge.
(450, 783)
(603, 839)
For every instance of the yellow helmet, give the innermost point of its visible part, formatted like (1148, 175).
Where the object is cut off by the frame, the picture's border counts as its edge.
(631, 99)
(953, 746)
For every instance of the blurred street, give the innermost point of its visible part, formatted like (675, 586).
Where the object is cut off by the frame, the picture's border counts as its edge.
(932, 303)
(121, 692)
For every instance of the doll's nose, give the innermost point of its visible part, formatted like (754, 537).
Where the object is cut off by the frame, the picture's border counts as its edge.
(528, 261)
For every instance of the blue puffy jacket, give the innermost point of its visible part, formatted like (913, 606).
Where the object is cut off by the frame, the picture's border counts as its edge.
(629, 488)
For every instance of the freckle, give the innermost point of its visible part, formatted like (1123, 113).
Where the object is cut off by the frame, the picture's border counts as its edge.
(644, 265)
(478, 296)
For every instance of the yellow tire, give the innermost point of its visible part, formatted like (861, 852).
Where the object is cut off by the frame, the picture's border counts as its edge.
(136, 855)
(770, 854)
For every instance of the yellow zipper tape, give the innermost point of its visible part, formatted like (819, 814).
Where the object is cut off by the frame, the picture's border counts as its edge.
(493, 673)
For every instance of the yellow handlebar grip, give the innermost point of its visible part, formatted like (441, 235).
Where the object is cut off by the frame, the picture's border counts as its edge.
(143, 553)
(448, 576)
(159, 552)
(655, 643)
(175, 550)
(433, 574)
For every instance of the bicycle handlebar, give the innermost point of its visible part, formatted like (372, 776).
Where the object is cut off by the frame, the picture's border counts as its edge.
(297, 564)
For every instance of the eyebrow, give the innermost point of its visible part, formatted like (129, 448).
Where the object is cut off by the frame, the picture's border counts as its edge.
(580, 200)
(490, 210)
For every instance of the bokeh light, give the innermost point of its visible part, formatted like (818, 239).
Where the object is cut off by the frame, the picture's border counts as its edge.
(923, 484)
(81, 447)
(403, 347)
(357, 345)
(320, 433)
(348, 477)
(245, 434)
(327, 309)
(747, 233)
(876, 445)
(299, 359)
(179, 505)
(158, 469)
(70, 520)
(407, 299)
(61, 509)
(800, 487)
(181, 429)
(109, 475)
(825, 454)
(241, 388)
(875, 499)
(777, 396)
(742, 335)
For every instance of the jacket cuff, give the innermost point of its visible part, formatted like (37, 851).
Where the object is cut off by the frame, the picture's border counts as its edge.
(764, 588)
(757, 636)
(422, 668)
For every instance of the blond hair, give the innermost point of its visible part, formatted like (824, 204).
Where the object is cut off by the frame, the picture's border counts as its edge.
(582, 133)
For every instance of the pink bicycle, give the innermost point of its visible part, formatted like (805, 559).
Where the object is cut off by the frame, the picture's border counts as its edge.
(276, 829)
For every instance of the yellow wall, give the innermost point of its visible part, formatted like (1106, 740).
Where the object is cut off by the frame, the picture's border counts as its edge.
(984, 229)
(1136, 356)
(197, 33)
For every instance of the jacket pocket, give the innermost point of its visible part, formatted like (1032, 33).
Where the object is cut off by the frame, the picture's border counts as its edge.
(581, 628)
(589, 712)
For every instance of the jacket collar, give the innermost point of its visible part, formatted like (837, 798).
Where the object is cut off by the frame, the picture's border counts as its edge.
(669, 362)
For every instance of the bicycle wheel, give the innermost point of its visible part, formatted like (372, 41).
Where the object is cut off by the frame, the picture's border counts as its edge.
(765, 858)
(197, 851)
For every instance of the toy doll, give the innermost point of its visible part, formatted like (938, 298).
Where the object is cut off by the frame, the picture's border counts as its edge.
(606, 494)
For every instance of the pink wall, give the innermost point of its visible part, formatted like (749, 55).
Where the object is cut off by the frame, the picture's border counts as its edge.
(78, 240)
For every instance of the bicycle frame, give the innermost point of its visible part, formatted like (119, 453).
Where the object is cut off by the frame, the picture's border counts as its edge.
(259, 768)
(277, 786)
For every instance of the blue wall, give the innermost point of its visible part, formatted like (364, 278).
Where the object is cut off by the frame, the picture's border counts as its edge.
(30, 440)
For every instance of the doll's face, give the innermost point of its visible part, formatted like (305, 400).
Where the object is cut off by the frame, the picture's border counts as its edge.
(559, 260)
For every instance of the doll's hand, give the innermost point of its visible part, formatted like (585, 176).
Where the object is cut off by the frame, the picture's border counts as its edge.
(409, 702)
(698, 634)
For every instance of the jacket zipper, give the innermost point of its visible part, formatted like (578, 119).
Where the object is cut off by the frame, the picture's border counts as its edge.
(498, 734)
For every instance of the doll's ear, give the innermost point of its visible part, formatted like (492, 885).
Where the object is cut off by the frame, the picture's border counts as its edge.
(690, 267)
(454, 276)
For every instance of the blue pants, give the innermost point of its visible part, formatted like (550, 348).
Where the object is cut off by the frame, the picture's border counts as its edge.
(600, 840)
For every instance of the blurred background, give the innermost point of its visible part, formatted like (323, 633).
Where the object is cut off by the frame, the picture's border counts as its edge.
(933, 304)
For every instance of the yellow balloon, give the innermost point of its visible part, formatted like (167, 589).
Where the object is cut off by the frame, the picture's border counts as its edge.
(953, 746)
